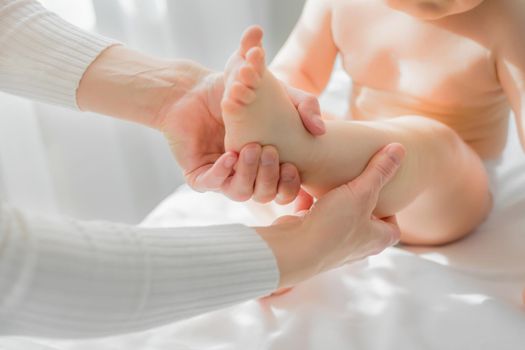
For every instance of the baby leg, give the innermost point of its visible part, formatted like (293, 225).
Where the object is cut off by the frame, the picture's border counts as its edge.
(441, 190)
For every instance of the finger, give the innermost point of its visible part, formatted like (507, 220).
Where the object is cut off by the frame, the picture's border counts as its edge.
(385, 233)
(267, 176)
(240, 186)
(309, 110)
(304, 201)
(379, 171)
(212, 176)
(289, 184)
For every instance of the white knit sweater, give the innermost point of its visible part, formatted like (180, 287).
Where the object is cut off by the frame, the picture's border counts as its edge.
(65, 278)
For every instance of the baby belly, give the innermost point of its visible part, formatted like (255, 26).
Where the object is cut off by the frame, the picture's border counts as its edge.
(482, 126)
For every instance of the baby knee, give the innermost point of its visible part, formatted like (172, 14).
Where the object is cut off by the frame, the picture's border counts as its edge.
(431, 128)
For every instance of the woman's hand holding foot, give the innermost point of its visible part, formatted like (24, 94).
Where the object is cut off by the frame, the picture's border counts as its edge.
(195, 130)
(339, 228)
(182, 99)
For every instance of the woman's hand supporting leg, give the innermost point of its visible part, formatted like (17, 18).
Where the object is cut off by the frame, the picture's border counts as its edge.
(339, 228)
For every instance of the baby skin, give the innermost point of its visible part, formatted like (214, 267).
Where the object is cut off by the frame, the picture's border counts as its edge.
(458, 62)
(441, 191)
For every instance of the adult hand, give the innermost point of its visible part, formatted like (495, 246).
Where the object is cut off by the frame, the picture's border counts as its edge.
(339, 228)
(193, 126)
(182, 99)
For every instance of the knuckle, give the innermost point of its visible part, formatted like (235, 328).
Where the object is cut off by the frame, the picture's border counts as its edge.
(263, 198)
(240, 194)
(357, 191)
(245, 176)
(269, 158)
(385, 169)
(271, 149)
(268, 182)
(239, 197)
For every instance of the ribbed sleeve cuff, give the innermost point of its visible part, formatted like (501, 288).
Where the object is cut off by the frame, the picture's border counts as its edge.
(42, 56)
(64, 278)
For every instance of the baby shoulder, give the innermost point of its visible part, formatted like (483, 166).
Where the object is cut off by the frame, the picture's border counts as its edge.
(506, 20)
(509, 14)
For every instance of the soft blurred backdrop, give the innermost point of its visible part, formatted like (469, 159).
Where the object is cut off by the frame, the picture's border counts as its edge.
(59, 161)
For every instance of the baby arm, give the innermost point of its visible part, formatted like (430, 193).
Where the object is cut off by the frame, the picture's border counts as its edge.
(510, 56)
(511, 69)
(307, 58)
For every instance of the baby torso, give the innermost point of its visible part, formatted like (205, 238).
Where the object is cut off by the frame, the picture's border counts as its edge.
(443, 69)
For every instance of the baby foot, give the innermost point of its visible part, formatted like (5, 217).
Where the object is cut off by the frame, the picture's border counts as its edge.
(255, 105)
(244, 72)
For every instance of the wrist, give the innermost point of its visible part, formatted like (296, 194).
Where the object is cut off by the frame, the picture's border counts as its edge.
(290, 244)
(126, 84)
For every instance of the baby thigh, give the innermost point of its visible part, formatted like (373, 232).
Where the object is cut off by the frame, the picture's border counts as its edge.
(456, 200)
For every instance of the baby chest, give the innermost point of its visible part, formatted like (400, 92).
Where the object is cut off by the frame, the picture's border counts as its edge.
(393, 51)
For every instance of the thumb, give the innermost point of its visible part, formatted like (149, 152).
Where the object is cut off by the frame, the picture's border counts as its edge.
(379, 171)
(309, 110)
(386, 233)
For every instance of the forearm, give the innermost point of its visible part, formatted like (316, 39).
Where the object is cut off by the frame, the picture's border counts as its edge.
(45, 58)
(65, 278)
(307, 58)
(127, 84)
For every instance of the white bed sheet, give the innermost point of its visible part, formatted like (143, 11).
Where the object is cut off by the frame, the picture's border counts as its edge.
(463, 296)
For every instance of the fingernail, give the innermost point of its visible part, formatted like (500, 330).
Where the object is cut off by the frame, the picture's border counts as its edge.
(230, 161)
(395, 153)
(288, 176)
(267, 158)
(250, 156)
